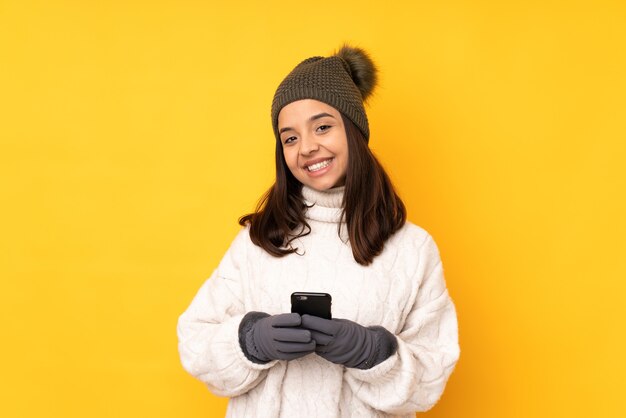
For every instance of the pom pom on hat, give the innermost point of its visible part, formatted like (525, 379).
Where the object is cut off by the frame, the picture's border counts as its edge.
(344, 81)
(362, 68)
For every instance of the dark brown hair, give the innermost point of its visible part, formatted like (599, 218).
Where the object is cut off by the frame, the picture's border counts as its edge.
(371, 208)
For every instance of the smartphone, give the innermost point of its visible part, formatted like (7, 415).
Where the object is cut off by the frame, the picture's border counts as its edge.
(317, 304)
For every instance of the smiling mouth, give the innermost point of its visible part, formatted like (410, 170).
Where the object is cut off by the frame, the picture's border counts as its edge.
(319, 166)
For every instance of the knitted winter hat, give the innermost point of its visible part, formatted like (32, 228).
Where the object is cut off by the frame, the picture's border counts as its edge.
(344, 81)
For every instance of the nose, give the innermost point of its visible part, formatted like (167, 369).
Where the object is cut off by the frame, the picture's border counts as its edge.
(308, 144)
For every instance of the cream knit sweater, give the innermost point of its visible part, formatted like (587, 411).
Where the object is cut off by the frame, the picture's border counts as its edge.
(403, 290)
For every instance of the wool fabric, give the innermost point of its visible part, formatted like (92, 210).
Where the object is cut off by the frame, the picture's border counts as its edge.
(403, 290)
(341, 81)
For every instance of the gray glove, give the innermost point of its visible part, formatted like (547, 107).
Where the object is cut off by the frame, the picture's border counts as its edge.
(342, 341)
(278, 337)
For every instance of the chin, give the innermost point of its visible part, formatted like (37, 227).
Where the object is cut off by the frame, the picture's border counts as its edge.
(325, 186)
(322, 186)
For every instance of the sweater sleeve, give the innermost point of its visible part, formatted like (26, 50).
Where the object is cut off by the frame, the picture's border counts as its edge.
(208, 330)
(414, 377)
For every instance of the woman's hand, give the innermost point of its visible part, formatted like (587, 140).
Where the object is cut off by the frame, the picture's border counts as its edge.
(276, 337)
(345, 342)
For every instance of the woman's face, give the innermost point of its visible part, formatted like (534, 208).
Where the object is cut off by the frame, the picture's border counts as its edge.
(314, 143)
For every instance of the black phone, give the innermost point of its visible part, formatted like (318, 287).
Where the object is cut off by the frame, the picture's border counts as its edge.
(317, 304)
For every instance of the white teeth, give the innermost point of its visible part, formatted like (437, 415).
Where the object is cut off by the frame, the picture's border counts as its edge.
(319, 166)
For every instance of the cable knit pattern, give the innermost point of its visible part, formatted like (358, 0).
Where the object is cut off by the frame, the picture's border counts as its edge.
(403, 290)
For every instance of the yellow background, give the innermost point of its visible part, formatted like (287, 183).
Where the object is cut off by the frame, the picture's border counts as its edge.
(134, 133)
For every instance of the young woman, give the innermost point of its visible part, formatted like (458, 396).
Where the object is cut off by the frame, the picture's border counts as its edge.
(331, 223)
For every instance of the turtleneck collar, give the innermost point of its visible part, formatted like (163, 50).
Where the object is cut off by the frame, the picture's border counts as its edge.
(326, 204)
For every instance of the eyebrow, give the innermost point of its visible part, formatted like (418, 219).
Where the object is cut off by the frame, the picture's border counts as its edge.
(311, 119)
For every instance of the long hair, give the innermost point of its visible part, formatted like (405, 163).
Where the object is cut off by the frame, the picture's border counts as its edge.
(372, 209)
